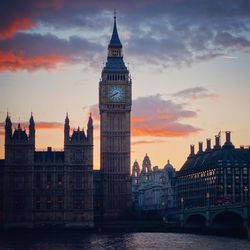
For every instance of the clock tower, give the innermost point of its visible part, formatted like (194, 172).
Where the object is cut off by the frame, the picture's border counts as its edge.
(115, 107)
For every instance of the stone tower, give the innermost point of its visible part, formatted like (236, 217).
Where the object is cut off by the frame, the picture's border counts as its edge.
(19, 159)
(115, 107)
(78, 153)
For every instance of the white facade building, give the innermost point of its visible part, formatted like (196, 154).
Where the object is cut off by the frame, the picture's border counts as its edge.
(153, 189)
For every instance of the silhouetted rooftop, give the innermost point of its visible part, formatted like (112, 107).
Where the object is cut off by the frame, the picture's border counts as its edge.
(20, 135)
(216, 158)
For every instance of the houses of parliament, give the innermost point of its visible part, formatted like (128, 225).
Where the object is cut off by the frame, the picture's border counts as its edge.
(60, 188)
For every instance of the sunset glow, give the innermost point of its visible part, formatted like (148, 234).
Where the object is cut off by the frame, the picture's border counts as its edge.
(189, 68)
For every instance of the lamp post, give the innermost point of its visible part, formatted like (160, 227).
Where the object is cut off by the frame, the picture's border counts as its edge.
(182, 212)
(207, 196)
(182, 203)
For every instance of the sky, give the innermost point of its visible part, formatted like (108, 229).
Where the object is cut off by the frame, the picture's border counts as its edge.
(189, 61)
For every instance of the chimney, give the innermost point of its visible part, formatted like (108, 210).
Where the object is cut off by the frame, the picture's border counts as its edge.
(228, 144)
(208, 144)
(200, 147)
(228, 137)
(217, 142)
(192, 149)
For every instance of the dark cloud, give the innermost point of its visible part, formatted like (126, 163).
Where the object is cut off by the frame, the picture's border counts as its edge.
(164, 33)
(33, 51)
(196, 93)
(228, 40)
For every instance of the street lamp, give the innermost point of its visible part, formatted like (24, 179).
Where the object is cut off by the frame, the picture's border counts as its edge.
(182, 202)
(207, 196)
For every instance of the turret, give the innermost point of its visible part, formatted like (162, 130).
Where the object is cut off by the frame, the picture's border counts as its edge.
(135, 169)
(32, 130)
(66, 129)
(8, 129)
(90, 130)
(146, 165)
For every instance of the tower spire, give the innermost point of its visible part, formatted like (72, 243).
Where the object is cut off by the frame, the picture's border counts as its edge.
(115, 40)
(32, 130)
(66, 129)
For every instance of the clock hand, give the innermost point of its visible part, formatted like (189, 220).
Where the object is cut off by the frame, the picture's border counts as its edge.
(114, 94)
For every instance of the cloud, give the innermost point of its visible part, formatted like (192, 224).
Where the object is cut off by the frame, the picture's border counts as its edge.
(227, 40)
(17, 25)
(153, 116)
(49, 125)
(163, 33)
(196, 93)
(13, 62)
(143, 142)
(40, 125)
(45, 51)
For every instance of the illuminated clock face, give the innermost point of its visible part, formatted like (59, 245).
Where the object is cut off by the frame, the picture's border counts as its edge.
(116, 93)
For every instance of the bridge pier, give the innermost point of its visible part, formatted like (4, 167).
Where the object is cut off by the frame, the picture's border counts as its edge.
(208, 219)
(246, 225)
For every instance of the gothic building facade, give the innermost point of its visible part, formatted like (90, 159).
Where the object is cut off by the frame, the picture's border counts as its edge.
(115, 106)
(47, 188)
(153, 189)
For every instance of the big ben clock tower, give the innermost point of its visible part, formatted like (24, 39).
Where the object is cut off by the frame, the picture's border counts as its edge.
(115, 107)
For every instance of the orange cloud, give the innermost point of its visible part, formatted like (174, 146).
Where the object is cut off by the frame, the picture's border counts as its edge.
(147, 142)
(38, 125)
(153, 116)
(23, 23)
(158, 132)
(13, 61)
(49, 125)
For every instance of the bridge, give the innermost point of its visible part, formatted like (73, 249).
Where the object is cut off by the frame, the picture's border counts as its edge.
(231, 216)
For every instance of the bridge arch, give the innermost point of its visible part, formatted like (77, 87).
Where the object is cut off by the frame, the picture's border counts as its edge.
(227, 220)
(195, 221)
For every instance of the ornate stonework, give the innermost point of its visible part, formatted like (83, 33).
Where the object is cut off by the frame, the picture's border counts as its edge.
(115, 107)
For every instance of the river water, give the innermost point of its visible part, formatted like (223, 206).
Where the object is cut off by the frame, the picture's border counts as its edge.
(131, 241)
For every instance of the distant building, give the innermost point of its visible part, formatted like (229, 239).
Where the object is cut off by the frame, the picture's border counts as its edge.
(215, 175)
(47, 188)
(153, 189)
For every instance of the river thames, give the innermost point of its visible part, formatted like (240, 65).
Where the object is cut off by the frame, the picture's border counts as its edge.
(131, 241)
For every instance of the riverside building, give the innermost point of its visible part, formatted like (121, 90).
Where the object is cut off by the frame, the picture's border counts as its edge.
(47, 188)
(214, 175)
